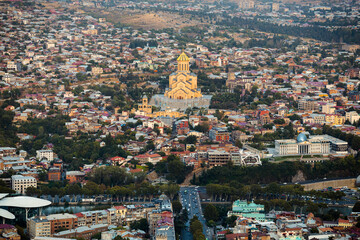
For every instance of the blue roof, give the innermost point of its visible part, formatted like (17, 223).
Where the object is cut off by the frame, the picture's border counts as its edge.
(301, 138)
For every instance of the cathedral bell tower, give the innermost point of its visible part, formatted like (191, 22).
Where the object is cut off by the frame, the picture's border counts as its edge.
(183, 63)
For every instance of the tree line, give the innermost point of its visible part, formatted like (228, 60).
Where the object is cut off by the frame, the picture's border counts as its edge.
(229, 192)
(7, 129)
(196, 229)
(144, 190)
(280, 172)
(351, 36)
(141, 43)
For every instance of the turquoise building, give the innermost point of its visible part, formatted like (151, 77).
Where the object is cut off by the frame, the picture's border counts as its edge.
(241, 208)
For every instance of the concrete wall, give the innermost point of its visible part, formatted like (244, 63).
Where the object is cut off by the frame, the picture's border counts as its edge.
(350, 183)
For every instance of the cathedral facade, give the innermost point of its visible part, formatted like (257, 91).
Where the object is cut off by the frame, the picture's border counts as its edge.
(182, 92)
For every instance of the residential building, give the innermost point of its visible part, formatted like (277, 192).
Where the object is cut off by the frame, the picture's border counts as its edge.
(9, 232)
(96, 70)
(85, 232)
(308, 105)
(218, 158)
(62, 221)
(39, 227)
(7, 151)
(54, 174)
(145, 158)
(48, 154)
(246, 4)
(219, 135)
(74, 176)
(20, 183)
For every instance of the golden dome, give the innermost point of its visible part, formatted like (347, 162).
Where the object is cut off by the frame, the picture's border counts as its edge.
(183, 57)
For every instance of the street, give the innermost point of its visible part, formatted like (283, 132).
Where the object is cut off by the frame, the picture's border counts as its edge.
(190, 200)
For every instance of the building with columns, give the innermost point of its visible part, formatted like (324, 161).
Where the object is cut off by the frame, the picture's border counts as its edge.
(317, 144)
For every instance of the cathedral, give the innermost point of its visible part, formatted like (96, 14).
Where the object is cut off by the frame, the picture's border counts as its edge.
(183, 83)
(182, 92)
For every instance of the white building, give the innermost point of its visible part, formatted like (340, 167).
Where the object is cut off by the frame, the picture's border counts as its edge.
(245, 158)
(20, 183)
(318, 144)
(352, 116)
(48, 154)
(328, 108)
(96, 70)
(11, 65)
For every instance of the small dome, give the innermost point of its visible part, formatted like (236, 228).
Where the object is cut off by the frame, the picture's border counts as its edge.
(301, 138)
(358, 181)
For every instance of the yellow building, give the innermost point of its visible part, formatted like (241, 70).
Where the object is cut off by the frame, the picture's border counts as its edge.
(145, 107)
(183, 83)
(344, 223)
(334, 119)
(167, 113)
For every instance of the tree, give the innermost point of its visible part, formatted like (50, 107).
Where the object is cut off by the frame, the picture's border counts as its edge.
(191, 139)
(238, 143)
(7, 130)
(294, 117)
(198, 235)
(192, 148)
(150, 165)
(219, 114)
(203, 127)
(177, 206)
(111, 176)
(356, 207)
(32, 191)
(312, 207)
(195, 225)
(81, 76)
(230, 221)
(150, 146)
(170, 190)
(211, 213)
(358, 222)
(78, 90)
(96, 236)
(273, 188)
(21, 232)
(142, 224)
(279, 121)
